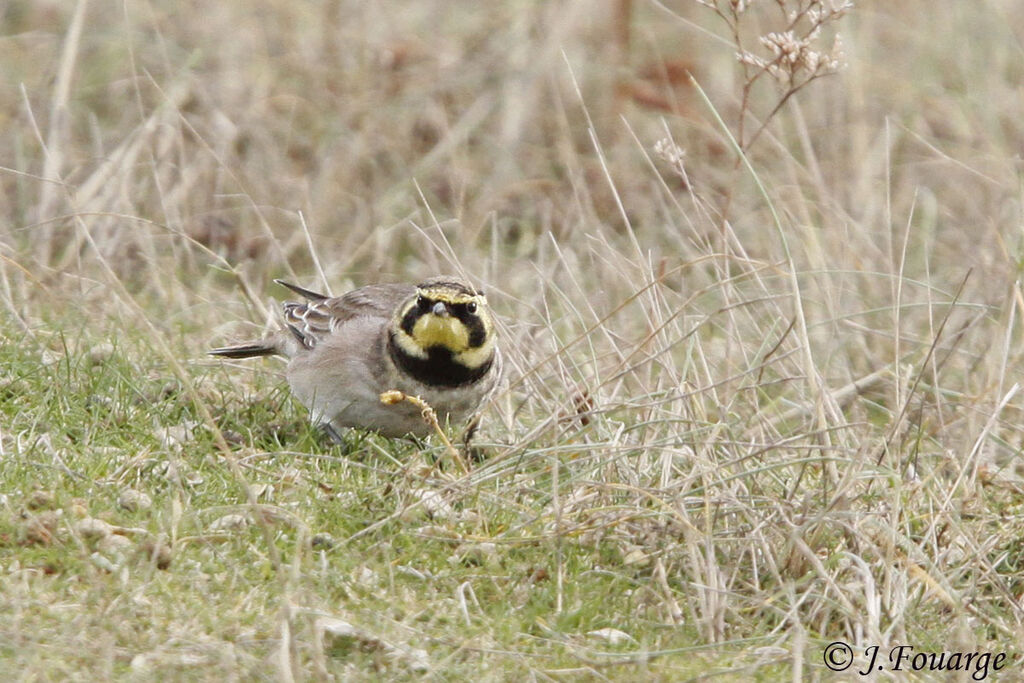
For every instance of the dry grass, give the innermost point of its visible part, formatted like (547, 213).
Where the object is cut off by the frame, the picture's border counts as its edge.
(755, 405)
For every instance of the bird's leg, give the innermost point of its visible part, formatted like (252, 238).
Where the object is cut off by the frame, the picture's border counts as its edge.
(472, 454)
(332, 433)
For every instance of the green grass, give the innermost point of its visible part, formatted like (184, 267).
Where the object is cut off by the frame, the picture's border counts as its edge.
(753, 406)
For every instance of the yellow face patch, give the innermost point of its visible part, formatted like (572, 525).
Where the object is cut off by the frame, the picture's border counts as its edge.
(474, 358)
(446, 332)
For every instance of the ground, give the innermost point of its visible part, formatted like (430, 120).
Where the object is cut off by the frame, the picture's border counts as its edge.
(760, 304)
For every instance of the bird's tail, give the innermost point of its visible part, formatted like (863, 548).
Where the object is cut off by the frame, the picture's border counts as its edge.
(265, 347)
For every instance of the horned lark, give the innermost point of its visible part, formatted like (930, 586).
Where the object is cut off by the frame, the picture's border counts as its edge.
(435, 340)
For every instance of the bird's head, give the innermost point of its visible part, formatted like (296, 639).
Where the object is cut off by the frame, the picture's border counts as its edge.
(446, 319)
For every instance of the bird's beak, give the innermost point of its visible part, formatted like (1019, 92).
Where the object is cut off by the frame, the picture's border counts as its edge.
(440, 309)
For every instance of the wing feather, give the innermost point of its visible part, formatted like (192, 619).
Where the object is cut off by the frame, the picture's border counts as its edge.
(319, 316)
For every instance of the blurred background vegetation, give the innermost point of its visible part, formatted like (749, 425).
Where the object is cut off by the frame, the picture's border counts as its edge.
(729, 376)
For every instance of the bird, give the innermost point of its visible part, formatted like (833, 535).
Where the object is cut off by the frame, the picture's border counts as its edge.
(435, 340)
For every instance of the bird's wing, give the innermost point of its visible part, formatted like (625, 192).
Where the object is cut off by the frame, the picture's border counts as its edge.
(319, 316)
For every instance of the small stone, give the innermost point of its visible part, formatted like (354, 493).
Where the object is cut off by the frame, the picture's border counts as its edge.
(174, 437)
(232, 522)
(101, 353)
(133, 501)
(636, 557)
(478, 554)
(41, 500)
(114, 546)
(40, 529)
(232, 437)
(334, 630)
(265, 491)
(157, 551)
(365, 576)
(322, 541)
(434, 504)
(92, 529)
(612, 636)
(79, 509)
(103, 563)
(140, 664)
(416, 659)
(468, 517)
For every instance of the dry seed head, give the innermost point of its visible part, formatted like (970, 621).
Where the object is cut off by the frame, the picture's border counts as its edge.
(792, 55)
(390, 398)
(784, 46)
(837, 56)
(669, 151)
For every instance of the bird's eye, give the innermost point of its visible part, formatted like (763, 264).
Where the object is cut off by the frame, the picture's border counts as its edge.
(422, 303)
(471, 307)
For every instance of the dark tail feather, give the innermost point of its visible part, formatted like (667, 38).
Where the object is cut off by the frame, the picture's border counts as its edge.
(306, 293)
(250, 350)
